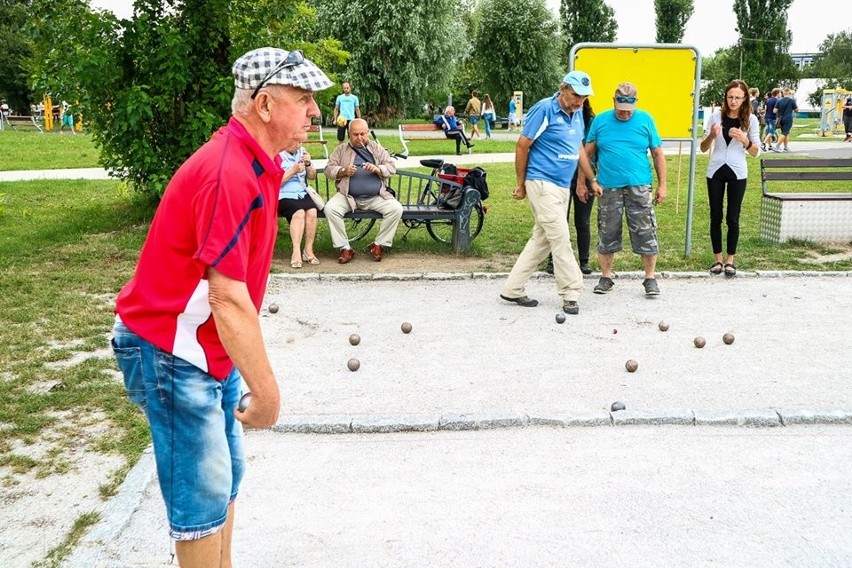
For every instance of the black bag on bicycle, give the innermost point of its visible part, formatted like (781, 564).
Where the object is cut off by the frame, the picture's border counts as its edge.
(475, 178)
(452, 198)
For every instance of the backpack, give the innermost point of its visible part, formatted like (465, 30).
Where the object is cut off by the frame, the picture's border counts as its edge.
(475, 178)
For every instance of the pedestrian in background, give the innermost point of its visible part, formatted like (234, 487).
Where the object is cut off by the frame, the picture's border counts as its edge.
(473, 110)
(785, 111)
(347, 108)
(488, 114)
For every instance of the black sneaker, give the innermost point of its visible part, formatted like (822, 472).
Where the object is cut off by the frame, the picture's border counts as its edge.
(585, 268)
(524, 301)
(570, 307)
(604, 285)
(651, 288)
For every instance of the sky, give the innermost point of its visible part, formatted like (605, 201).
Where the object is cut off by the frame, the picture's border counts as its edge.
(710, 27)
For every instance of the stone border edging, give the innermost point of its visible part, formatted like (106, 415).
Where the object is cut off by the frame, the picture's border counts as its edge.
(394, 423)
(446, 276)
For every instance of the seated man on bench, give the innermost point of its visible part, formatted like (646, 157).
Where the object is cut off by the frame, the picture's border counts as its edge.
(450, 124)
(359, 170)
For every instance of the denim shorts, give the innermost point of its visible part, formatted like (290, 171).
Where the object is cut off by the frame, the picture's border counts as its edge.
(641, 220)
(770, 126)
(198, 443)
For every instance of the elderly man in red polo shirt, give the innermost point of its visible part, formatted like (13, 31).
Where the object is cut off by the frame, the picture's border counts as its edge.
(187, 329)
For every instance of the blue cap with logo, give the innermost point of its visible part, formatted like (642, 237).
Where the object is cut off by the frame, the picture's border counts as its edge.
(580, 82)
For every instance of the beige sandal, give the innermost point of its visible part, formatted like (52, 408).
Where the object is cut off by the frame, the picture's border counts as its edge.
(310, 259)
(296, 264)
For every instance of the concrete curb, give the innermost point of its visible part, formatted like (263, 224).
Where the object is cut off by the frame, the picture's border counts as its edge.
(446, 276)
(395, 423)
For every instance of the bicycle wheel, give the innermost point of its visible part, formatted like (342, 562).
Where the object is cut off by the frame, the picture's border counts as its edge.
(357, 229)
(442, 229)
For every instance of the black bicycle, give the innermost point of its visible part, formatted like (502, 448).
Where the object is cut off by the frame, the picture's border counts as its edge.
(439, 229)
(442, 229)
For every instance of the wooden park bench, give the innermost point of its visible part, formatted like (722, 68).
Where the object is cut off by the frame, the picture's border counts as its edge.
(418, 194)
(819, 216)
(321, 141)
(21, 122)
(405, 136)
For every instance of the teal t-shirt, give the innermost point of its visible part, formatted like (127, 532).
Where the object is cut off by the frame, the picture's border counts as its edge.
(622, 148)
(347, 104)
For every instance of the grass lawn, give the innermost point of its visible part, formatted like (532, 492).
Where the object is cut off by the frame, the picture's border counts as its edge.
(35, 151)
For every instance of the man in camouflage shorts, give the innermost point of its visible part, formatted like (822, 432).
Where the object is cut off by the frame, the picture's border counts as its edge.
(621, 139)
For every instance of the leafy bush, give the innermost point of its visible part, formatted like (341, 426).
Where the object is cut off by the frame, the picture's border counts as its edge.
(155, 87)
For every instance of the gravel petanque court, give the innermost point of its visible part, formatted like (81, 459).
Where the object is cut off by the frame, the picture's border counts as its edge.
(471, 353)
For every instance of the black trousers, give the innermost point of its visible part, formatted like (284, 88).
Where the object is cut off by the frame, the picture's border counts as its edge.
(725, 179)
(459, 136)
(582, 222)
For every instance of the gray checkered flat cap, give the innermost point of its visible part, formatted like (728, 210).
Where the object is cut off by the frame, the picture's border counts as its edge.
(253, 67)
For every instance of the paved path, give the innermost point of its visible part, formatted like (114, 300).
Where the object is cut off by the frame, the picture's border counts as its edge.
(816, 149)
(730, 455)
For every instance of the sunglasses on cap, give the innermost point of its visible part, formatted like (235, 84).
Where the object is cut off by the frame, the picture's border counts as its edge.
(629, 100)
(294, 58)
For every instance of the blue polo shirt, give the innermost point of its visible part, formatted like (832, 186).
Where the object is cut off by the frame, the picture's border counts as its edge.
(622, 148)
(557, 140)
(347, 105)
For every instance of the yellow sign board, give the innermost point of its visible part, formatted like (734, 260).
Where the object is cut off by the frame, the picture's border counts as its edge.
(664, 77)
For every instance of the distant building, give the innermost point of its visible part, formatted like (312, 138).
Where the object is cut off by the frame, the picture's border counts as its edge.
(802, 60)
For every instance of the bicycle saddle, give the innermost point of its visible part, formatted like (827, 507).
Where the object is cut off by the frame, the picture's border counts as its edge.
(434, 163)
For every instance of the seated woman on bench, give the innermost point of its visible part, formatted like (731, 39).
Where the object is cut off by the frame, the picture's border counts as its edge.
(450, 124)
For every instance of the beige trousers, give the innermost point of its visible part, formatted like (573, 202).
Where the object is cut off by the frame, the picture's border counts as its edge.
(338, 206)
(549, 204)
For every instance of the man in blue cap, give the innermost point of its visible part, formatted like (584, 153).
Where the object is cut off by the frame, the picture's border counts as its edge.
(548, 152)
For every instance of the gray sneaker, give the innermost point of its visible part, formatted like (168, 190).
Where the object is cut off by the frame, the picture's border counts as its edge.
(570, 307)
(604, 285)
(651, 288)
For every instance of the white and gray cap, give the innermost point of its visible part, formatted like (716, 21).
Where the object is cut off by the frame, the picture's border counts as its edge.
(273, 66)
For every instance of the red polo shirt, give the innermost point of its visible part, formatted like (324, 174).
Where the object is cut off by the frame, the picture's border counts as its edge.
(220, 209)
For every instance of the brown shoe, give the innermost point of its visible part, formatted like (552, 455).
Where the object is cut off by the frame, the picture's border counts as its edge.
(376, 251)
(345, 255)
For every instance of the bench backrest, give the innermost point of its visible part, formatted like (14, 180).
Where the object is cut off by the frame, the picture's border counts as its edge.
(409, 187)
(837, 169)
(419, 127)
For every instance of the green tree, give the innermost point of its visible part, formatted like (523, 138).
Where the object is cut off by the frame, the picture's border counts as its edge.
(760, 57)
(585, 21)
(400, 49)
(764, 44)
(15, 51)
(520, 52)
(833, 63)
(672, 17)
(153, 88)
